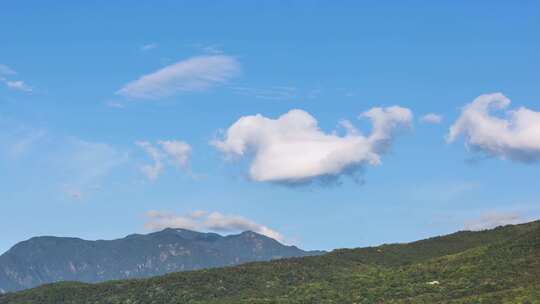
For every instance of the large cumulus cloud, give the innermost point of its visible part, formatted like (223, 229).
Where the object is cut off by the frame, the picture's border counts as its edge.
(514, 135)
(293, 149)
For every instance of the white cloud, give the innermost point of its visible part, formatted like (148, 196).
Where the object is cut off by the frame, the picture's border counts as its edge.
(207, 221)
(292, 148)
(114, 104)
(207, 48)
(194, 74)
(18, 85)
(174, 151)
(6, 70)
(153, 171)
(179, 151)
(514, 135)
(212, 49)
(432, 118)
(491, 220)
(149, 46)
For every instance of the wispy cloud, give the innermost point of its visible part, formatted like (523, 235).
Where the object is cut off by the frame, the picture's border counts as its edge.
(441, 190)
(207, 221)
(17, 140)
(6, 73)
(491, 220)
(149, 46)
(178, 151)
(6, 70)
(115, 104)
(193, 74)
(207, 48)
(25, 141)
(73, 166)
(152, 171)
(212, 49)
(18, 85)
(175, 152)
(86, 164)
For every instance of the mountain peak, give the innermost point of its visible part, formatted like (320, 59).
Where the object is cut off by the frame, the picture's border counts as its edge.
(43, 260)
(187, 234)
(251, 233)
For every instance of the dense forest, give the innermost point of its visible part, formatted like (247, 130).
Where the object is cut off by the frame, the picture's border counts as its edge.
(493, 266)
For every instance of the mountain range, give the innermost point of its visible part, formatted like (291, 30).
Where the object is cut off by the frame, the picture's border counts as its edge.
(47, 259)
(493, 266)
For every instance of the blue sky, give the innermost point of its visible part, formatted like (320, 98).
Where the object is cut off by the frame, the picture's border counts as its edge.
(122, 117)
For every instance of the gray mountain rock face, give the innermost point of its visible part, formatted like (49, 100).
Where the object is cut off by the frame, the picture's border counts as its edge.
(47, 259)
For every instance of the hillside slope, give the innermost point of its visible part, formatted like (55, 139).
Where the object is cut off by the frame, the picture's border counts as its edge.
(50, 259)
(495, 266)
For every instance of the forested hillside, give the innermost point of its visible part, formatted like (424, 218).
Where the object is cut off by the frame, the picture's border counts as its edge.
(495, 266)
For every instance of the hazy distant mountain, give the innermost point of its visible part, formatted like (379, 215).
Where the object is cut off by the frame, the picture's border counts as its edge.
(50, 259)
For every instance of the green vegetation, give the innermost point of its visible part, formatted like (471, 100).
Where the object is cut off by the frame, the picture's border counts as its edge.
(495, 266)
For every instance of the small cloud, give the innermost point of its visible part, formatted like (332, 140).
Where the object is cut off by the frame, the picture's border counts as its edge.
(207, 48)
(492, 220)
(212, 49)
(149, 46)
(6, 70)
(292, 149)
(207, 221)
(115, 104)
(194, 74)
(432, 118)
(18, 85)
(175, 152)
(514, 135)
(153, 171)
